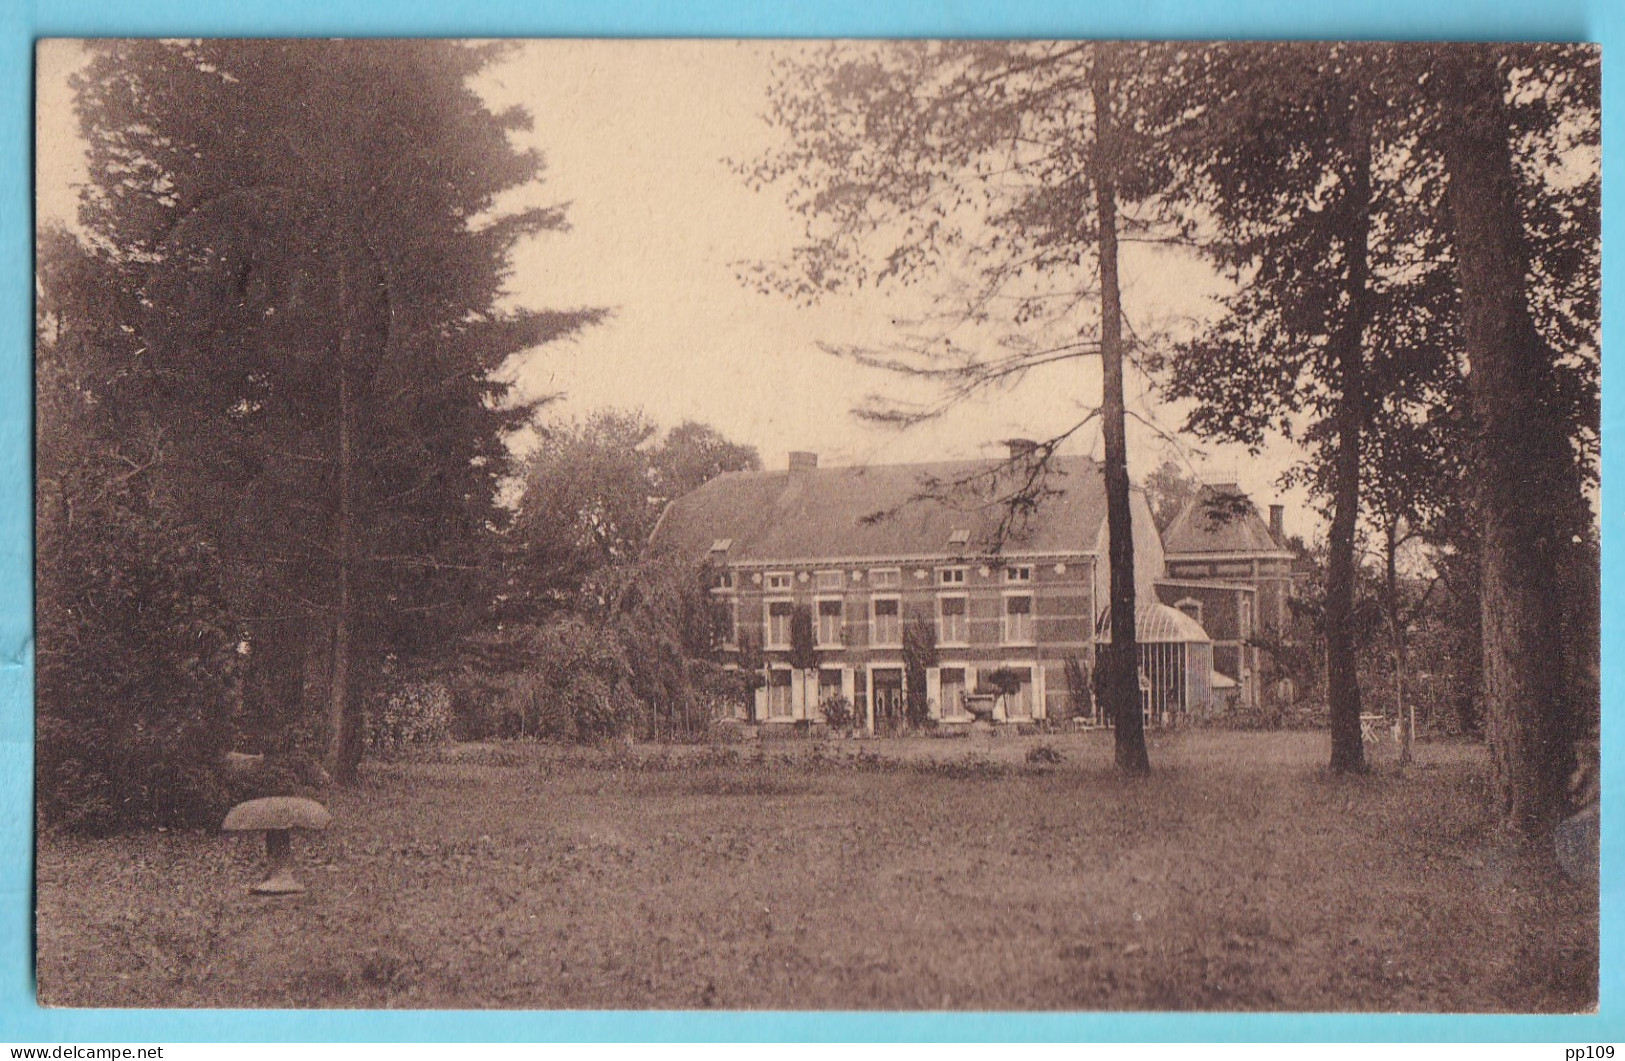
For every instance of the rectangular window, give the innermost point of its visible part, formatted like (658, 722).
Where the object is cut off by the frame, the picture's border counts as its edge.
(778, 580)
(1019, 703)
(1245, 620)
(778, 694)
(952, 625)
(1022, 573)
(724, 622)
(722, 580)
(888, 628)
(953, 692)
(951, 576)
(778, 624)
(1018, 619)
(829, 685)
(829, 623)
(830, 581)
(886, 578)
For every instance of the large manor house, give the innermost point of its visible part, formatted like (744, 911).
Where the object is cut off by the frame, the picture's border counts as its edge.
(1005, 561)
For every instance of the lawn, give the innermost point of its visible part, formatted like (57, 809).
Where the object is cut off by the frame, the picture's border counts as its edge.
(917, 874)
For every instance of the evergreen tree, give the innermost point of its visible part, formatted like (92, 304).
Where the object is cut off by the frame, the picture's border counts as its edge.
(310, 259)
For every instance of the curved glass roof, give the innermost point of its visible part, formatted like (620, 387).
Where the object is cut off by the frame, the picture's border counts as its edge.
(1157, 624)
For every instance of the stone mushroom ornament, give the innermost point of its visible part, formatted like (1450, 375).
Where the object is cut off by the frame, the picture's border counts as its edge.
(277, 817)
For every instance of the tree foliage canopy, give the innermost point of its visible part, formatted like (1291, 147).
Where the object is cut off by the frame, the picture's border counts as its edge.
(591, 492)
(304, 251)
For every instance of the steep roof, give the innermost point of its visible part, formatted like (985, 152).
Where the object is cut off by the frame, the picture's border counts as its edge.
(1219, 519)
(880, 511)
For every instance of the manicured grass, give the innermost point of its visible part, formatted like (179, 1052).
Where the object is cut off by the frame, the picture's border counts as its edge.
(929, 874)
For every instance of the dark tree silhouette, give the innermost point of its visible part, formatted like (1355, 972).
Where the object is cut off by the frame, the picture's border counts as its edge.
(314, 314)
(1529, 500)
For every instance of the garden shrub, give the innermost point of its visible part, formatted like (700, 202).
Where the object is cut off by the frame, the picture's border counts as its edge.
(838, 713)
(1080, 701)
(1043, 753)
(410, 714)
(589, 703)
(285, 774)
(576, 688)
(137, 676)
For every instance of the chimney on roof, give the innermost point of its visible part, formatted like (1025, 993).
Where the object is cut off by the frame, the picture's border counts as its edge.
(802, 461)
(1021, 448)
(1277, 524)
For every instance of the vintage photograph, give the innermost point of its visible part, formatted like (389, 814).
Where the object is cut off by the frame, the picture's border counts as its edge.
(817, 525)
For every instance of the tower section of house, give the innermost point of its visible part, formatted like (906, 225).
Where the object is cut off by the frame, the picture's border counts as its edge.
(866, 552)
(1230, 571)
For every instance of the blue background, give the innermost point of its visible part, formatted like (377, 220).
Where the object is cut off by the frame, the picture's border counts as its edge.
(22, 23)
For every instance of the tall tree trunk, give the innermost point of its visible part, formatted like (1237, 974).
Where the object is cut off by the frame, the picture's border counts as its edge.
(344, 706)
(1121, 686)
(1524, 465)
(1396, 637)
(1348, 352)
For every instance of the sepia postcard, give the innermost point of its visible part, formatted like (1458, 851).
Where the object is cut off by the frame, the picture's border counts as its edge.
(840, 525)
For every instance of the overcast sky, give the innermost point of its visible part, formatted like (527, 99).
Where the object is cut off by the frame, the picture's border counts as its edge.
(638, 138)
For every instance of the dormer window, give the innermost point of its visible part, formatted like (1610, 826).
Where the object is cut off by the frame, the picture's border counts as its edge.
(960, 536)
(721, 545)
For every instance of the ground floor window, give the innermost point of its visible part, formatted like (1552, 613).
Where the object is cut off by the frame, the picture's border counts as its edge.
(1020, 703)
(829, 684)
(778, 694)
(1012, 685)
(953, 692)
